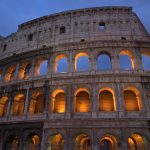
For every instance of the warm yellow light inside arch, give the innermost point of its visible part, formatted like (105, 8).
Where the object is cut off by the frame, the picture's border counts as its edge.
(129, 53)
(3, 105)
(9, 73)
(78, 56)
(112, 92)
(58, 57)
(138, 96)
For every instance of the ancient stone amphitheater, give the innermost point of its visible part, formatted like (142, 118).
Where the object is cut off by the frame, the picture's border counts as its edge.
(56, 93)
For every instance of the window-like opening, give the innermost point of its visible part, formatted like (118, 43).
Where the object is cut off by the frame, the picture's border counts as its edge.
(126, 60)
(30, 37)
(82, 102)
(82, 40)
(58, 101)
(3, 105)
(18, 104)
(136, 142)
(61, 64)
(55, 142)
(62, 30)
(132, 100)
(104, 62)
(32, 142)
(5, 47)
(36, 103)
(82, 142)
(10, 74)
(146, 61)
(101, 26)
(106, 101)
(123, 38)
(11, 143)
(108, 142)
(82, 62)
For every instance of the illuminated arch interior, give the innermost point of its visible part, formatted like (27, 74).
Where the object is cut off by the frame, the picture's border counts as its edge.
(58, 101)
(61, 64)
(126, 60)
(104, 62)
(107, 100)
(82, 142)
(24, 70)
(18, 104)
(36, 102)
(41, 67)
(10, 74)
(3, 105)
(132, 99)
(108, 142)
(136, 142)
(82, 101)
(55, 142)
(82, 62)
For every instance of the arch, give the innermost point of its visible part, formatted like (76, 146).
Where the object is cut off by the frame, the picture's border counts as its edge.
(137, 142)
(18, 104)
(82, 142)
(102, 26)
(82, 101)
(36, 102)
(24, 70)
(104, 61)
(107, 100)
(11, 143)
(10, 74)
(146, 60)
(108, 142)
(41, 67)
(58, 101)
(132, 99)
(55, 142)
(32, 142)
(82, 62)
(61, 64)
(126, 60)
(3, 105)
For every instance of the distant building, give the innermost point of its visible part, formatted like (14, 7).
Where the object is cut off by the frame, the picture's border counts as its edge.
(47, 105)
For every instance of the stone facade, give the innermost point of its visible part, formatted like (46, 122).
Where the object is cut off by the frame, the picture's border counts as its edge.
(33, 113)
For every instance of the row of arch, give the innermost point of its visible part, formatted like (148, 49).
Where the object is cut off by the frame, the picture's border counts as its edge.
(81, 102)
(81, 63)
(81, 142)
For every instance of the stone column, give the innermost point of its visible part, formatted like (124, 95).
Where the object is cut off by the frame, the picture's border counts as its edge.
(70, 63)
(43, 147)
(49, 67)
(94, 101)
(138, 60)
(93, 62)
(32, 67)
(68, 141)
(21, 141)
(16, 71)
(116, 62)
(26, 102)
(10, 101)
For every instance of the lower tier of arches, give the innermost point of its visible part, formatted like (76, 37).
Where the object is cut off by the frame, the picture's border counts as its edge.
(75, 135)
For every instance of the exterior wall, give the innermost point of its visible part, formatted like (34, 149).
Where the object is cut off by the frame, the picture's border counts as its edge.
(47, 44)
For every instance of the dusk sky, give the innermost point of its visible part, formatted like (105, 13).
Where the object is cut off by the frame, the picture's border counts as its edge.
(15, 12)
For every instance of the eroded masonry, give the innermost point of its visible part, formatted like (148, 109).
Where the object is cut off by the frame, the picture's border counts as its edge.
(51, 100)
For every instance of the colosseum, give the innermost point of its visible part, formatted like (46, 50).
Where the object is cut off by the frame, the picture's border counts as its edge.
(64, 86)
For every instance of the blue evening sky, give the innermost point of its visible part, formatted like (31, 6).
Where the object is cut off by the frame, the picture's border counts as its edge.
(15, 12)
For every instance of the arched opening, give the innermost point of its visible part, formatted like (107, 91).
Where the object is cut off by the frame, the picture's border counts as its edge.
(18, 104)
(82, 101)
(136, 142)
(24, 71)
(82, 62)
(55, 142)
(36, 102)
(104, 62)
(58, 101)
(106, 100)
(41, 67)
(10, 74)
(126, 60)
(108, 142)
(146, 60)
(132, 100)
(32, 142)
(61, 64)
(102, 26)
(12, 143)
(3, 105)
(82, 142)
